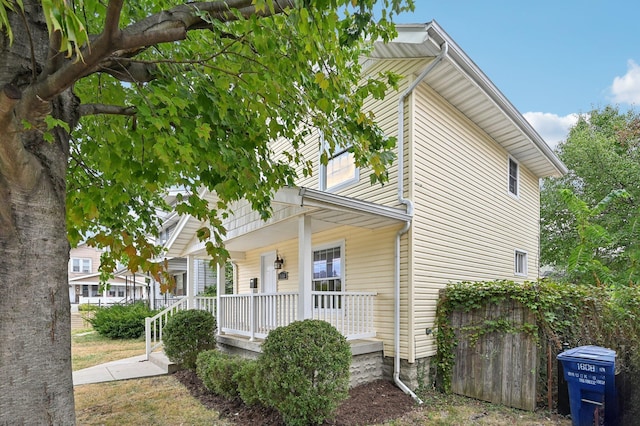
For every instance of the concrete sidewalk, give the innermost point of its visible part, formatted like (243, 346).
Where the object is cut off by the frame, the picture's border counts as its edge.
(130, 368)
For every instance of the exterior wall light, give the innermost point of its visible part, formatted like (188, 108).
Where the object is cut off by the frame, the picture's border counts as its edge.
(279, 262)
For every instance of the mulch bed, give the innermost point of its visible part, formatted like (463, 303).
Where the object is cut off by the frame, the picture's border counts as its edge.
(367, 404)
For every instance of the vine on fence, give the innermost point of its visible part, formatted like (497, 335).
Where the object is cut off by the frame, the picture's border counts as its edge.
(575, 314)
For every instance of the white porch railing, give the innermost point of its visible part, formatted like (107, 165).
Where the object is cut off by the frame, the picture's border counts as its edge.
(153, 326)
(350, 312)
(254, 315)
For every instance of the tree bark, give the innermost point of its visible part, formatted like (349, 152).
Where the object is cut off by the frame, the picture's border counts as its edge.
(36, 385)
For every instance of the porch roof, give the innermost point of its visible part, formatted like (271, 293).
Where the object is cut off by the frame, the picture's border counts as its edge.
(325, 209)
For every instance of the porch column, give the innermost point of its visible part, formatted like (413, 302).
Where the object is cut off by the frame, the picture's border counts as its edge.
(305, 267)
(220, 276)
(190, 283)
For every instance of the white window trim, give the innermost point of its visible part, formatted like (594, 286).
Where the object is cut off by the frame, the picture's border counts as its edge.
(509, 160)
(323, 171)
(517, 273)
(81, 261)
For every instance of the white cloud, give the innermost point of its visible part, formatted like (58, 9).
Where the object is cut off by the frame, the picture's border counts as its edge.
(551, 127)
(626, 89)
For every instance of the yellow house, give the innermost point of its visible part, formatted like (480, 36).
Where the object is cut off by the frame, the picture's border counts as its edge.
(462, 203)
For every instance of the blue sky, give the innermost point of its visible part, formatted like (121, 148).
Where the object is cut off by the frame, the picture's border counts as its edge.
(551, 59)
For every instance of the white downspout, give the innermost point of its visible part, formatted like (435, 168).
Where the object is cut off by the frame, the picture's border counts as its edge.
(409, 204)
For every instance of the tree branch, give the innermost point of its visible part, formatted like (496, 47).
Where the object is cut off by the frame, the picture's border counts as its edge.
(132, 72)
(95, 109)
(166, 26)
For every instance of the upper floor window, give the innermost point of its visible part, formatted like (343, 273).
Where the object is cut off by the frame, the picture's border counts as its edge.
(81, 265)
(341, 169)
(520, 263)
(514, 177)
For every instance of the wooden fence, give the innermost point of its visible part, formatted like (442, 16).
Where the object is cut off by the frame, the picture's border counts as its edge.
(499, 367)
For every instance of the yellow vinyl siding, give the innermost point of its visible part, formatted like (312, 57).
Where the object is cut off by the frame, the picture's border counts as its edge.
(466, 225)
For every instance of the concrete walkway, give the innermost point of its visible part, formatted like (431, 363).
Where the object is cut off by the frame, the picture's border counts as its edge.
(130, 368)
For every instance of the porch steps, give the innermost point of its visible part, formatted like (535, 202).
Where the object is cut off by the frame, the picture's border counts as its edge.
(78, 322)
(160, 359)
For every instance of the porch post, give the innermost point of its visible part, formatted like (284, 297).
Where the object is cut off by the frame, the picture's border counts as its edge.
(220, 275)
(305, 267)
(189, 283)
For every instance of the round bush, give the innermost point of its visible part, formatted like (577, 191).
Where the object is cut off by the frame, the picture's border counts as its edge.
(304, 368)
(186, 334)
(121, 321)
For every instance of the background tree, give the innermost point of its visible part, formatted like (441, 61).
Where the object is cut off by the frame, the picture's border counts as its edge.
(105, 104)
(596, 206)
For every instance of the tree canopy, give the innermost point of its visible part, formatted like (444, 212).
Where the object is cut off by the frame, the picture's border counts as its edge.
(590, 218)
(200, 113)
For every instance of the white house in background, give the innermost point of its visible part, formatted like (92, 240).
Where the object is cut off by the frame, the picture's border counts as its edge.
(84, 280)
(462, 204)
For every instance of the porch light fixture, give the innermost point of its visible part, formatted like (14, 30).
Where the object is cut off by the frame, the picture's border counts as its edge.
(278, 262)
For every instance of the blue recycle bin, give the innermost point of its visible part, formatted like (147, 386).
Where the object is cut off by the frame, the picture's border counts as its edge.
(590, 375)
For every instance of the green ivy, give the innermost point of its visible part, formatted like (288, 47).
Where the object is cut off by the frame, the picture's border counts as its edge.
(570, 313)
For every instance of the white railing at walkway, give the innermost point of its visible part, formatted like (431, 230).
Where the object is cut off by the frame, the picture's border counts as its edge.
(350, 312)
(256, 314)
(153, 326)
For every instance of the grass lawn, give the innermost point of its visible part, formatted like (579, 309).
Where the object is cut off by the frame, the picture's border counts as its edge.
(150, 401)
(88, 348)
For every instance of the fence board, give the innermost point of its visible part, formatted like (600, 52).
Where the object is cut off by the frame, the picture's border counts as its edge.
(499, 367)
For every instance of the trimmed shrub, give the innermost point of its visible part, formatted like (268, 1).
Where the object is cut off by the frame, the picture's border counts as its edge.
(121, 321)
(248, 382)
(203, 363)
(304, 371)
(186, 334)
(86, 307)
(217, 371)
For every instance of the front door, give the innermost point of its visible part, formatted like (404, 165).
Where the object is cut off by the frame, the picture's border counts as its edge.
(268, 273)
(267, 304)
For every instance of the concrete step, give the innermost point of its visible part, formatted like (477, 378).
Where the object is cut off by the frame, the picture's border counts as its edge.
(161, 360)
(78, 321)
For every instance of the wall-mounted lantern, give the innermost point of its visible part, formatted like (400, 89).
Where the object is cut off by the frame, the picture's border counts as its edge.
(279, 262)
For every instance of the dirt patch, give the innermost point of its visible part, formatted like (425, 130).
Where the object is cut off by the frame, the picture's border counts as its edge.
(372, 403)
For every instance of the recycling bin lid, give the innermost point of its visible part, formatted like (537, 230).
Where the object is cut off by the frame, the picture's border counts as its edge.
(591, 353)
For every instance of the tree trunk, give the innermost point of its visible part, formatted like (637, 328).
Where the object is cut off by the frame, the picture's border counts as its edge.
(36, 386)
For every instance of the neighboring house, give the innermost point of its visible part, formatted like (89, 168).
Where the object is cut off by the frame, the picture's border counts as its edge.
(462, 204)
(84, 280)
(203, 275)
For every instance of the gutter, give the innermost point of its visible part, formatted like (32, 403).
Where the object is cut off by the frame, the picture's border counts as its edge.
(407, 202)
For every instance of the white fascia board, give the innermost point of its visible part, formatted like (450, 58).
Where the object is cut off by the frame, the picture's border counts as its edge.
(315, 198)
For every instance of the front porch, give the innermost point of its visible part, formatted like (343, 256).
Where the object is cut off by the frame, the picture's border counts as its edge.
(245, 320)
